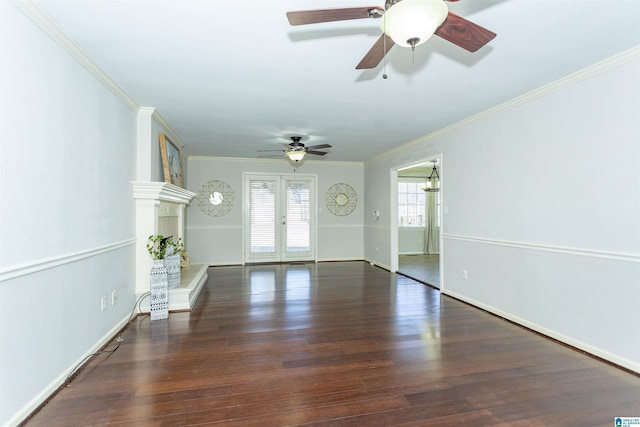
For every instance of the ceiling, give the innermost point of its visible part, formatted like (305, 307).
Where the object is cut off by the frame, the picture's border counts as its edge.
(233, 77)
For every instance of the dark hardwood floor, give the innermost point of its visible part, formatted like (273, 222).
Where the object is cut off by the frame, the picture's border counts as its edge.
(423, 268)
(337, 344)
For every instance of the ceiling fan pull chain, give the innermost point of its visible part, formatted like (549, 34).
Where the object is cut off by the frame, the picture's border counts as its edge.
(384, 51)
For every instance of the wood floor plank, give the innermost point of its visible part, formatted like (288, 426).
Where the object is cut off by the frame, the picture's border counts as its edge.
(337, 344)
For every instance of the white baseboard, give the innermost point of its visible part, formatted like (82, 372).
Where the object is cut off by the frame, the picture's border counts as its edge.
(377, 264)
(48, 391)
(625, 363)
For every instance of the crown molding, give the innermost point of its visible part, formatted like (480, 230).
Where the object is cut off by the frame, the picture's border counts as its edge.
(169, 130)
(593, 70)
(48, 26)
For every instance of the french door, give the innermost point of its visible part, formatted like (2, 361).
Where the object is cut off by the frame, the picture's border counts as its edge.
(279, 218)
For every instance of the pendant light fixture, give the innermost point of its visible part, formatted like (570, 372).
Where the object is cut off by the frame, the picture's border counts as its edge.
(433, 182)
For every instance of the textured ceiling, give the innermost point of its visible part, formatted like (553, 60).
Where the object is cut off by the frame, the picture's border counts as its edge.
(234, 77)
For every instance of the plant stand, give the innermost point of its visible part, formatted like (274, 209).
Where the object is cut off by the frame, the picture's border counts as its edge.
(159, 306)
(172, 263)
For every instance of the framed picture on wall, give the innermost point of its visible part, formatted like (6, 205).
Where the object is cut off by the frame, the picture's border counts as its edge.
(171, 161)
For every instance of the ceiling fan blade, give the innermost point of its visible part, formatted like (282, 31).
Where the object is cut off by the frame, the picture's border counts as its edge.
(313, 147)
(264, 151)
(317, 153)
(376, 53)
(303, 17)
(463, 33)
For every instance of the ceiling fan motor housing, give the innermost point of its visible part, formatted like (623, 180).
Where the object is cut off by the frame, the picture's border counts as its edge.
(296, 145)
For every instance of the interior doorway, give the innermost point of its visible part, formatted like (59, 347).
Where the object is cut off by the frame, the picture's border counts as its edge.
(419, 221)
(280, 221)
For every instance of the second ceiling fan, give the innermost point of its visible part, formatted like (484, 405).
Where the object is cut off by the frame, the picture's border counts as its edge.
(296, 150)
(406, 23)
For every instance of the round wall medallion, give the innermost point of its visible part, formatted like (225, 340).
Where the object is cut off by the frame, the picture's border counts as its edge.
(215, 198)
(341, 199)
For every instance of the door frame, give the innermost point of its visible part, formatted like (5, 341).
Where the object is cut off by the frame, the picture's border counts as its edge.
(393, 226)
(313, 233)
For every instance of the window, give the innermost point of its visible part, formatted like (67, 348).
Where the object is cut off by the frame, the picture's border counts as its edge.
(411, 205)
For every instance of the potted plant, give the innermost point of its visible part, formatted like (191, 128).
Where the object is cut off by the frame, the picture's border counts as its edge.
(169, 252)
(157, 246)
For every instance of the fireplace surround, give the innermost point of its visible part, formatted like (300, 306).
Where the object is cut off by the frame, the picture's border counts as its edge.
(160, 209)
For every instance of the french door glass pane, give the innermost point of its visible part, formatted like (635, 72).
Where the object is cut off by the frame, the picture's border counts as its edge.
(262, 217)
(298, 208)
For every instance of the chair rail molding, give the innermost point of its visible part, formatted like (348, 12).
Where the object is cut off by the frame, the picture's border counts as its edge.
(618, 256)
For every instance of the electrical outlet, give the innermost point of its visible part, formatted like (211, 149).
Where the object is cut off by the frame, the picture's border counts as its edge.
(103, 303)
(114, 297)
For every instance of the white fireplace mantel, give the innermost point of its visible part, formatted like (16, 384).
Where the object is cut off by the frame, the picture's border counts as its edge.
(161, 191)
(160, 209)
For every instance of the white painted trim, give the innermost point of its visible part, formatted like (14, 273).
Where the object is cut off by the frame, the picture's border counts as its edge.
(617, 256)
(143, 146)
(197, 287)
(341, 259)
(48, 26)
(377, 227)
(341, 226)
(167, 127)
(629, 364)
(49, 390)
(47, 263)
(378, 264)
(161, 191)
(593, 70)
(216, 227)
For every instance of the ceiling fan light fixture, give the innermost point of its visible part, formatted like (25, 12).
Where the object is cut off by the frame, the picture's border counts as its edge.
(410, 23)
(296, 156)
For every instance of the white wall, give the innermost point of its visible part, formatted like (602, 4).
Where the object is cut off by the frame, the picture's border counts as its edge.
(547, 246)
(410, 240)
(67, 159)
(550, 236)
(218, 240)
